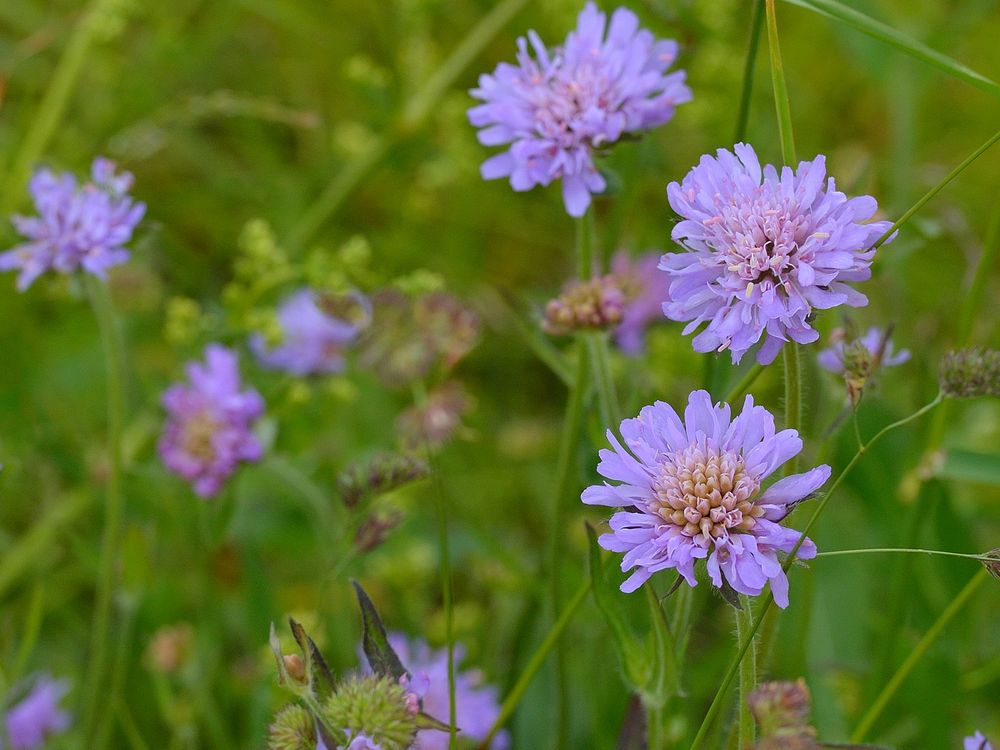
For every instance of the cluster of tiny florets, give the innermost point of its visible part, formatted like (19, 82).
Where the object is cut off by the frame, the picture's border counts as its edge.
(594, 304)
(374, 706)
(970, 373)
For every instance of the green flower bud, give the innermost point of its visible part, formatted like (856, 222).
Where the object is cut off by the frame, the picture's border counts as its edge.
(292, 729)
(183, 321)
(374, 706)
(970, 373)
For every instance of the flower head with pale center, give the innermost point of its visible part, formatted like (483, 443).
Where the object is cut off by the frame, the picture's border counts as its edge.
(764, 250)
(692, 489)
(209, 425)
(557, 107)
(78, 226)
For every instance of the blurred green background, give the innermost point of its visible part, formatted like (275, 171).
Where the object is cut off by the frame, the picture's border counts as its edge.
(234, 110)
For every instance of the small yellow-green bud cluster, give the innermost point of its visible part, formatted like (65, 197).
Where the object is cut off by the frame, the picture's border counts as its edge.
(376, 707)
(292, 729)
(970, 373)
(595, 304)
(184, 321)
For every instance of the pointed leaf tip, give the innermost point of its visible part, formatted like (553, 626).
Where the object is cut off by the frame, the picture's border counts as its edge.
(381, 656)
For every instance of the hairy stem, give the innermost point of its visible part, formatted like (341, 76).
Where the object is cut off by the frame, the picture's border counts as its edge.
(748, 674)
(746, 91)
(100, 634)
(793, 397)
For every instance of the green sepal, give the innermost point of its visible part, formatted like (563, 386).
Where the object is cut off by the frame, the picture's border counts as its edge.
(321, 679)
(381, 658)
(426, 721)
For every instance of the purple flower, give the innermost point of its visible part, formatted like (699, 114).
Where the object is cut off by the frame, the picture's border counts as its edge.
(37, 716)
(208, 430)
(691, 489)
(766, 250)
(313, 340)
(558, 107)
(977, 742)
(876, 342)
(644, 291)
(77, 227)
(358, 742)
(476, 704)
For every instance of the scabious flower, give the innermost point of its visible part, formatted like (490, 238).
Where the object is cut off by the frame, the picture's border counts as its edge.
(765, 251)
(560, 106)
(77, 227)
(977, 742)
(476, 704)
(313, 339)
(37, 716)
(644, 289)
(208, 431)
(691, 490)
(876, 343)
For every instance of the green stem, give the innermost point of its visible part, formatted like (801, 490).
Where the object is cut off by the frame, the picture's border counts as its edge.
(918, 651)
(114, 363)
(535, 663)
(585, 246)
(572, 426)
(747, 639)
(740, 389)
(53, 105)
(793, 397)
(444, 550)
(984, 266)
(413, 115)
(781, 102)
(748, 674)
(600, 358)
(936, 189)
(654, 728)
(743, 114)
(909, 550)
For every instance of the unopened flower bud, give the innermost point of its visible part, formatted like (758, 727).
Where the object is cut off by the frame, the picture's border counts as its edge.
(170, 648)
(993, 565)
(435, 421)
(373, 706)
(782, 713)
(374, 531)
(586, 305)
(292, 729)
(295, 667)
(383, 473)
(970, 373)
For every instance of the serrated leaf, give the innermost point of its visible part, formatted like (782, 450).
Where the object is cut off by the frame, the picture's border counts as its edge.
(381, 657)
(969, 466)
(885, 33)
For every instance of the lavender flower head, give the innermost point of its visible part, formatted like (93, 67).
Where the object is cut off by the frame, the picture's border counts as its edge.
(691, 489)
(313, 339)
(558, 107)
(77, 226)
(37, 716)
(644, 289)
(876, 342)
(476, 704)
(977, 741)
(208, 431)
(765, 251)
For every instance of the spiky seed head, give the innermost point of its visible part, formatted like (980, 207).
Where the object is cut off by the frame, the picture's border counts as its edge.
(292, 729)
(376, 707)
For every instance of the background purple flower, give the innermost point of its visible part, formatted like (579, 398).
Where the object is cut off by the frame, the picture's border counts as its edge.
(37, 716)
(476, 704)
(77, 226)
(644, 289)
(313, 340)
(691, 490)
(557, 107)
(882, 354)
(208, 430)
(977, 742)
(766, 250)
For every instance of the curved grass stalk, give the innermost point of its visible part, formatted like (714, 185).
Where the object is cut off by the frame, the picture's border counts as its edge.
(866, 723)
(781, 102)
(746, 91)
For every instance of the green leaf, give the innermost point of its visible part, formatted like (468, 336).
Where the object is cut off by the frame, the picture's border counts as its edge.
(968, 466)
(632, 652)
(381, 658)
(666, 676)
(320, 677)
(884, 33)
